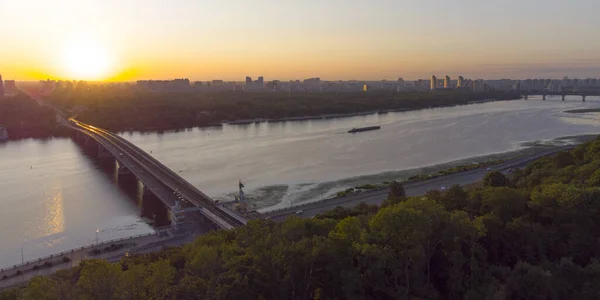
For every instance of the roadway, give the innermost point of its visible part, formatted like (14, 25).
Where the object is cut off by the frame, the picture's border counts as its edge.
(376, 197)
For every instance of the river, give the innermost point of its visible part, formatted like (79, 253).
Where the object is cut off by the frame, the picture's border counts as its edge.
(54, 196)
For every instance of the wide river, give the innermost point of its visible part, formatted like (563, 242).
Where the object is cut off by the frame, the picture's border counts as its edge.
(53, 197)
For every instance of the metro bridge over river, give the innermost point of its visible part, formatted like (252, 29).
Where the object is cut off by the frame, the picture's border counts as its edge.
(572, 92)
(176, 193)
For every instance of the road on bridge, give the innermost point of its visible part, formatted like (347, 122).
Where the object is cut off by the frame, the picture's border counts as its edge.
(376, 197)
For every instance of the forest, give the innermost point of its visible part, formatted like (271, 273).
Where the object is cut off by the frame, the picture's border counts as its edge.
(531, 235)
(25, 118)
(127, 108)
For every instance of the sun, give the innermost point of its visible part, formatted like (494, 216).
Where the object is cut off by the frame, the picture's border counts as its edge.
(87, 60)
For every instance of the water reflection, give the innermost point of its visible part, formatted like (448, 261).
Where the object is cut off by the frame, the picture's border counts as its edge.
(52, 211)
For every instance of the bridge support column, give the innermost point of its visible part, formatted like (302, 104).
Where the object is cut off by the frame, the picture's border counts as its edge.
(526, 96)
(543, 97)
(583, 98)
(563, 97)
(123, 170)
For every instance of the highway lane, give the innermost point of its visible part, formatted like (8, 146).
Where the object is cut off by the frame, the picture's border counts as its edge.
(376, 197)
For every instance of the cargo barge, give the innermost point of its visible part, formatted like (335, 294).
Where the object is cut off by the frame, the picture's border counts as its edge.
(361, 129)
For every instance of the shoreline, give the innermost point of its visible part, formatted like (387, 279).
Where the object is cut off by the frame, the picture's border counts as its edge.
(329, 189)
(300, 118)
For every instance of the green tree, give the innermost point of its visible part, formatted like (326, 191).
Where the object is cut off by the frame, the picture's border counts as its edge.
(564, 159)
(495, 179)
(160, 279)
(40, 288)
(455, 198)
(100, 280)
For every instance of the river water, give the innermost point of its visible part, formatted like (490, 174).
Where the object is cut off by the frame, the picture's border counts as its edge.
(53, 197)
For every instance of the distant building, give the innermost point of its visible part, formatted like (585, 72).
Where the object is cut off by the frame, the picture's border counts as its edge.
(1, 88)
(447, 82)
(3, 133)
(459, 83)
(248, 81)
(433, 83)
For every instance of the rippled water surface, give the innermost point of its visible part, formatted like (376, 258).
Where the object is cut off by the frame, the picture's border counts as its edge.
(53, 197)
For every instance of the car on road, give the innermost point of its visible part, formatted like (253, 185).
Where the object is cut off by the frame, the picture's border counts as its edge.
(299, 212)
(120, 154)
(488, 169)
(268, 218)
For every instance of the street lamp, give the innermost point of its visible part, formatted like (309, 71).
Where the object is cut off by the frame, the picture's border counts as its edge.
(97, 230)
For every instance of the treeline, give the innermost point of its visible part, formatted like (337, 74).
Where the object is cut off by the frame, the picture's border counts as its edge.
(25, 118)
(534, 235)
(121, 108)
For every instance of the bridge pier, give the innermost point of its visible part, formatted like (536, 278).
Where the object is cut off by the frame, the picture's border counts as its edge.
(122, 170)
(543, 97)
(563, 97)
(583, 98)
(526, 96)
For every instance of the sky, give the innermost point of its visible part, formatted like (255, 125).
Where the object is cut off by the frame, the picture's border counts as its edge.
(288, 39)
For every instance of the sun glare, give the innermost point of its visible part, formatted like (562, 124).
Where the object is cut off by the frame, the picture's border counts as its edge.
(87, 60)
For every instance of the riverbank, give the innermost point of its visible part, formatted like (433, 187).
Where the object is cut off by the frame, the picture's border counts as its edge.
(276, 197)
(142, 111)
(301, 118)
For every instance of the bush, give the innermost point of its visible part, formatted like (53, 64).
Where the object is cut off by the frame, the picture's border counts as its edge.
(47, 264)
(66, 259)
(36, 267)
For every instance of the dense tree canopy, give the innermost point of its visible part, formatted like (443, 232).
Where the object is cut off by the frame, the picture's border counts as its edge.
(535, 237)
(25, 118)
(127, 108)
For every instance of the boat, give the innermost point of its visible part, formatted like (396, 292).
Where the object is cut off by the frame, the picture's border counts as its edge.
(361, 129)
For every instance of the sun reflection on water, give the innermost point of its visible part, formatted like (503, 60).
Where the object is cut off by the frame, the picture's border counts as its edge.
(53, 211)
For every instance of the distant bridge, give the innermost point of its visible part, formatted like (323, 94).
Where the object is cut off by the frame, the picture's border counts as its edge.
(156, 177)
(545, 94)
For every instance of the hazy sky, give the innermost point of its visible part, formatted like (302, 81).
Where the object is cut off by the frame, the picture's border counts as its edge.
(285, 39)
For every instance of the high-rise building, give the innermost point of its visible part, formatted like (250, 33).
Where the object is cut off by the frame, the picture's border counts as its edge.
(1, 88)
(261, 80)
(433, 84)
(447, 82)
(248, 81)
(459, 83)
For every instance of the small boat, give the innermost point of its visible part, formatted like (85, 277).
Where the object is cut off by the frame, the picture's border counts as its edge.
(361, 129)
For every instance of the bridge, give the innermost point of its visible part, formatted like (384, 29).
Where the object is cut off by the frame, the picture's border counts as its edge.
(181, 197)
(563, 94)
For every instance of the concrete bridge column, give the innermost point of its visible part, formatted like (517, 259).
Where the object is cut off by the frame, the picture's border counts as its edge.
(563, 97)
(583, 98)
(123, 170)
(525, 96)
(543, 97)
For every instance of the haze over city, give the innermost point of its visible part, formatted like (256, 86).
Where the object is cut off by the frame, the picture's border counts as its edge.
(369, 40)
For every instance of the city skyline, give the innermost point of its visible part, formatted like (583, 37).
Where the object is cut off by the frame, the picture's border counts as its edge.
(338, 40)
